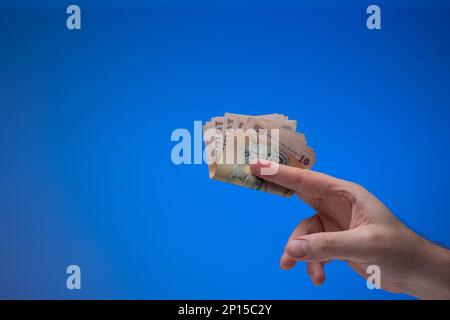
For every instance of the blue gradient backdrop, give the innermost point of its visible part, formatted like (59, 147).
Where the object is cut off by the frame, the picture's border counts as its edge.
(86, 116)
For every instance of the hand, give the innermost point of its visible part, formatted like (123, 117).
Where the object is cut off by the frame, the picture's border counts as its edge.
(351, 224)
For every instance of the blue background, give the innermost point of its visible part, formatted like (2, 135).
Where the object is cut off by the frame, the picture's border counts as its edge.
(86, 117)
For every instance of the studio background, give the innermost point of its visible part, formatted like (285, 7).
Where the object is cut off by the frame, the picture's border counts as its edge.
(86, 116)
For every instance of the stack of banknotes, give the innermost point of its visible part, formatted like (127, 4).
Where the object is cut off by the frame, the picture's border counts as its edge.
(233, 141)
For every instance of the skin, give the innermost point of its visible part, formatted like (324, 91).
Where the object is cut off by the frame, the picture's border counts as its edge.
(351, 224)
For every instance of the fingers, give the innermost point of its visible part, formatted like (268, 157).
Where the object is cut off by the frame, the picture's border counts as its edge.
(286, 262)
(305, 182)
(316, 272)
(314, 269)
(342, 245)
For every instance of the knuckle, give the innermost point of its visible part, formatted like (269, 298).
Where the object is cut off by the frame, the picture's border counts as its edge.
(300, 178)
(356, 193)
(372, 237)
(326, 245)
(330, 188)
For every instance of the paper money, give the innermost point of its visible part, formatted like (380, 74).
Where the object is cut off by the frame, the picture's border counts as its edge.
(232, 141)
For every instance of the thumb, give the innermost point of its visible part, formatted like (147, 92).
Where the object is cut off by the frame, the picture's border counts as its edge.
(322, 246)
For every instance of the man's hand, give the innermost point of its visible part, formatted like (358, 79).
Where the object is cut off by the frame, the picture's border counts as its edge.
(351, 224)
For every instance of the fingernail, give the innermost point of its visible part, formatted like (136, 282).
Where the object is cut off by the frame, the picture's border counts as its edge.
(264, 162)
(256, 164)
(288, 263)
(297, 249)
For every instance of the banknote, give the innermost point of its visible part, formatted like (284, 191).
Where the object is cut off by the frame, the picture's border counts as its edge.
(233, 141)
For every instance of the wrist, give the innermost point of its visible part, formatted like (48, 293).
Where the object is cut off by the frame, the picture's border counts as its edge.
(431, 278)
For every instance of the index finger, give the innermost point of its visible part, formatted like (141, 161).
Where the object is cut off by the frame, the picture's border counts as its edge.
(306, 182)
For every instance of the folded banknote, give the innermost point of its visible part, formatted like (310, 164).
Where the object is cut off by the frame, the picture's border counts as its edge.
(233, 141)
